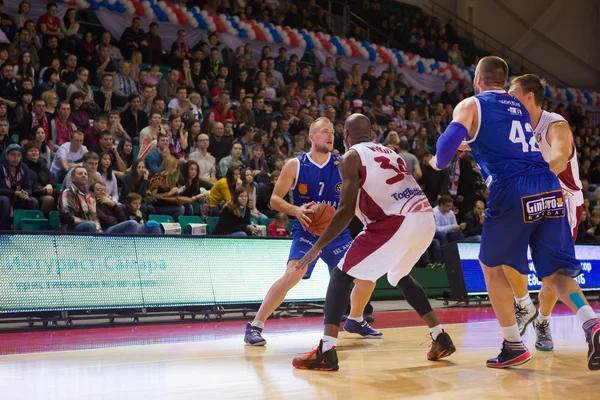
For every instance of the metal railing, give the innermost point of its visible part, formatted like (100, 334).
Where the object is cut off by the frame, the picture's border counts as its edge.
(484, 41)
(373, 34)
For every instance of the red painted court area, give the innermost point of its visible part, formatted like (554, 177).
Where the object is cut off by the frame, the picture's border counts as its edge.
(62, 339)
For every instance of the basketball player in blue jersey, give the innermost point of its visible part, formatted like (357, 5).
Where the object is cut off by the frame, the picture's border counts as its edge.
(526, 208)
(314, 177)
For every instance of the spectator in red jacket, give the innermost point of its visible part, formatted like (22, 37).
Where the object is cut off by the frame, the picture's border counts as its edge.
(222, 109)
(278, 228)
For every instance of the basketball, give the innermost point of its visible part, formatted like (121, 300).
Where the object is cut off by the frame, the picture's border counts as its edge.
(320, 218)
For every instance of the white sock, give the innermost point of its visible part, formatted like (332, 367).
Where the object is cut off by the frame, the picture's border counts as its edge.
(585, 313)
(543, 318)
(526, 302)
(435, 331)
(357, 319)
(511, 333)
(258, 324)
(329, 342)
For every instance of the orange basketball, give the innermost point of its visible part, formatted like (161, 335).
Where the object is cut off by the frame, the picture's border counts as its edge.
(320, 218)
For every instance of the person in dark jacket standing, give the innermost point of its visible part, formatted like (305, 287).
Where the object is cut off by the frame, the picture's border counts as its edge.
(235, 216)
(15, 186)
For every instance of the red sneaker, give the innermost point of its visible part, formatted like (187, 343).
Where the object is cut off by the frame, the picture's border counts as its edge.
(317, 360)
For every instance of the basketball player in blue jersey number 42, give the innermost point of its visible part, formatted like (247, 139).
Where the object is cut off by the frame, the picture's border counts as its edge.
(314, 178)
(525, 207)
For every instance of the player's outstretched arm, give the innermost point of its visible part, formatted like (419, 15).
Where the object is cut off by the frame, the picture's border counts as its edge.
(458, 130)
(282, 187)
(560, 139)
(350, 167)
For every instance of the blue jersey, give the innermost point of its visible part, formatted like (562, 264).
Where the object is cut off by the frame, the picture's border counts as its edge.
(318, 183)
(321, 184)
(504, 144)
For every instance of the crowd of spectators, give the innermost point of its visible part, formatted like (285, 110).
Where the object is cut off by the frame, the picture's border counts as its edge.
(107, 139)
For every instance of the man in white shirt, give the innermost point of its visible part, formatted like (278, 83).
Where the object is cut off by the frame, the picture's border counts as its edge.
(68, 155)
(206, 163)
(181, 103)
(446, 228)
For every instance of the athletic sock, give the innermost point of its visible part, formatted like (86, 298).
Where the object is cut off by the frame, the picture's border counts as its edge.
(543, 318)
(436, 331)
(511, 333)
(526, 303)
(585, 314)
(329, 342)
(258, 324)
(357, 319)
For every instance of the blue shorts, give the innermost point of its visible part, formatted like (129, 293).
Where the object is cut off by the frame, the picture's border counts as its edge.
(528, 210)
(302, 241)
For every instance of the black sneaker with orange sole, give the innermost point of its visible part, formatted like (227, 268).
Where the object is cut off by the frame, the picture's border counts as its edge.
(593, 339)
(441, 347)
(318, 360)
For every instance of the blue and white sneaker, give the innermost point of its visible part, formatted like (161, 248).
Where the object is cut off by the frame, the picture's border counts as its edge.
(363, 329)
(253, 336)
(512, 354)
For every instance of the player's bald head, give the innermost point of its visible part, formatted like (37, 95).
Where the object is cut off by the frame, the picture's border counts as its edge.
(358, 126)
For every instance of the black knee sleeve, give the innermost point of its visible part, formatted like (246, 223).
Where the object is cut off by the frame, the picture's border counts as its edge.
(415, 295)
(338, 294)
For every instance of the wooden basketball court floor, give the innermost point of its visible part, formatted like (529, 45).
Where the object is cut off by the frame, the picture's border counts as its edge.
(210, 361)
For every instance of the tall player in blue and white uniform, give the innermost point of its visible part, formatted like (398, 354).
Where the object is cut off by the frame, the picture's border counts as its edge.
(314, 177)
(526, 208)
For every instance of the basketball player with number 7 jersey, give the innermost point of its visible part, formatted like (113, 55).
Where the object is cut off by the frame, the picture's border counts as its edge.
(399, 226)
(312, 177)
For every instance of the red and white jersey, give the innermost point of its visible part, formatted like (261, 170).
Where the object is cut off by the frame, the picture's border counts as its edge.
(387, 188)
(569, 178)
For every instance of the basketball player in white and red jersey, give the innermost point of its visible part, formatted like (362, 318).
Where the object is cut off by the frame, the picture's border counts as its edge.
(399, 226)
(555, 141)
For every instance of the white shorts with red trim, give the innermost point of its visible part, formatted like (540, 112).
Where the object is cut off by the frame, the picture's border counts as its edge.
(391, 246)
(574, 204)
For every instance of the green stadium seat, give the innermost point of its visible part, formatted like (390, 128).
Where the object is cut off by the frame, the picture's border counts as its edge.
(58, 186)
(186, 221)
(15, 138)
(136, 151)
(289, 226)
(253, 221)
(161, 218)
(267, 221)
(54, 221)
(29, 215)
(211, 223)
(29, 224)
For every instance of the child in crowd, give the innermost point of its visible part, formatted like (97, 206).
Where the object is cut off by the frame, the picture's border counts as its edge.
(278, 228)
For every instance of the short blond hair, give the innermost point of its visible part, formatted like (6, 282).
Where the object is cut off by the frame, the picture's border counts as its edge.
(317, 121)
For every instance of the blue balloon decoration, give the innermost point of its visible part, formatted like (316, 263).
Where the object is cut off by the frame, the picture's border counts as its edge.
(120, 8)
(569, 96)
(547, 92)
(94, 6)
(420, 67)
(243, 34)
(112, 7)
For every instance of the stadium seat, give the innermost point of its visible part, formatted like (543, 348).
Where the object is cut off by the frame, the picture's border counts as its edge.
(161, 218)
(30, 220)
(15, 138)
(267, 221)
(136, 150)
(54, 221)
(186, 221)
(211, 223)
(253, 221)
(289, 226)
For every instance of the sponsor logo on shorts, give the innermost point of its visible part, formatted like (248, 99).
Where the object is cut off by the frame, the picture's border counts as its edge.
(303, 188)
(305, 240)
(543, 205)
(342, 249)
(407, 193)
